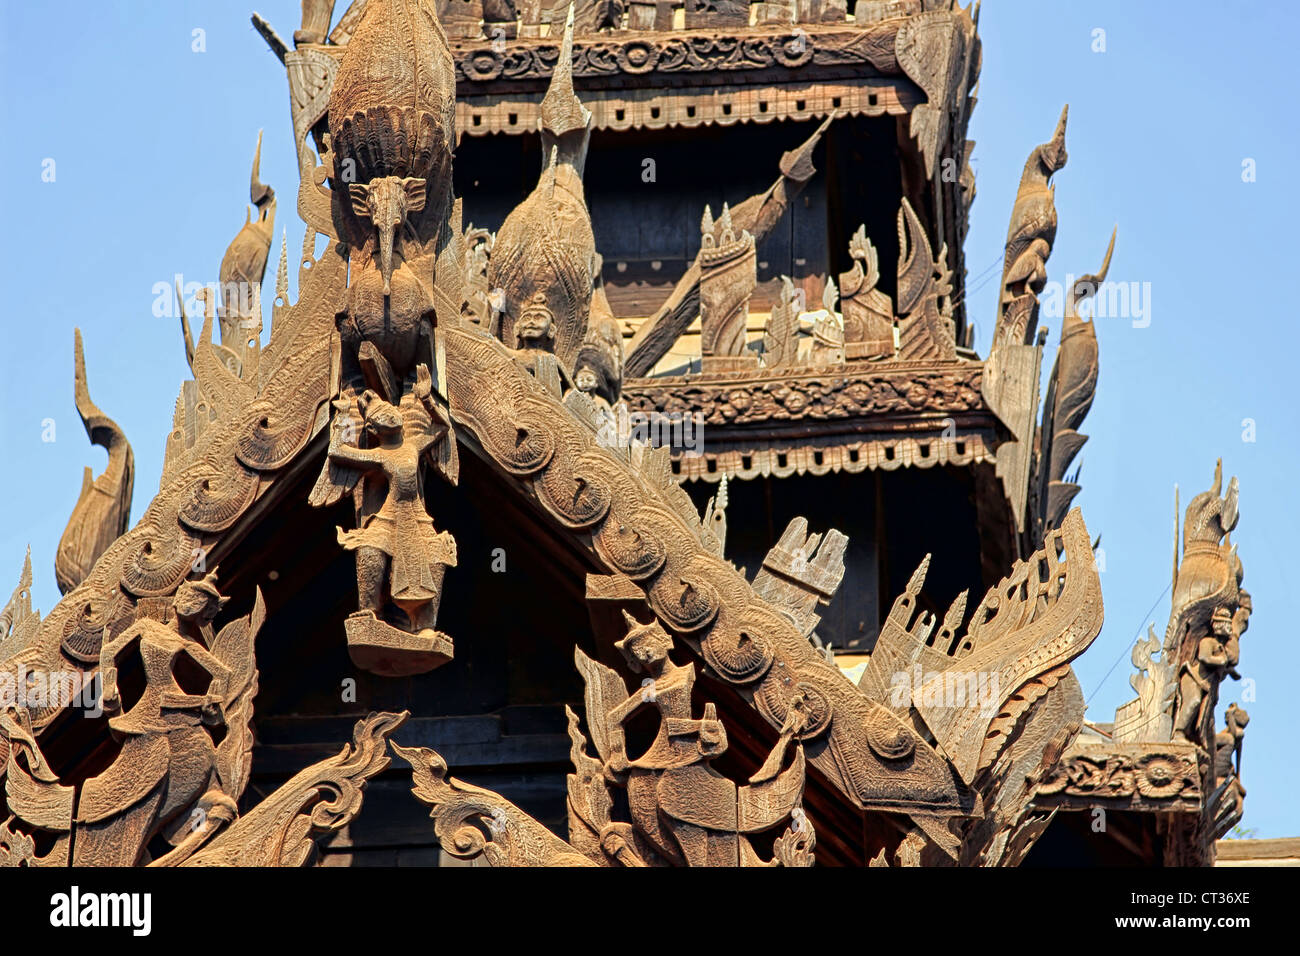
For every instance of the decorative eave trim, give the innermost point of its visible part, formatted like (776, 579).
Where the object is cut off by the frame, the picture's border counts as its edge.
(695, 106)
(1145, 777)
(634, 519)
(825, 456)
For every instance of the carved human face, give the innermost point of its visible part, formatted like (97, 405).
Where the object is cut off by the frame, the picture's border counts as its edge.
(536, 325)
(1221, 623)
(646, 649)
(713, 737)
(586, 380)
(195, 603)
(381, 418)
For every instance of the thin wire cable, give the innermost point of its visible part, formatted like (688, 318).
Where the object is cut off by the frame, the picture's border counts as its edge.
(1128, 647)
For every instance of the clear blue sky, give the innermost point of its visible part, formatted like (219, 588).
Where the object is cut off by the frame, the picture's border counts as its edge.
(152, 143)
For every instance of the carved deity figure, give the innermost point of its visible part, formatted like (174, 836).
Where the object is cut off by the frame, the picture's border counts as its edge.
(684, 813)
(535, 333)
(1198, 678)
(1229, 796)
(1227, 743)
(1240, 621)
(186, 742)
(392, 130)
(400, 556)
(588, 381)
(599, 369)
(478, 307)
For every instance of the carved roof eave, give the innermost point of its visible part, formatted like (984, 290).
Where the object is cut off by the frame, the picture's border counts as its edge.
(1150, 777)
(922, 66)
(853, 417)
(211, 501)
(637, 523)
(558, 464)
(633, 519)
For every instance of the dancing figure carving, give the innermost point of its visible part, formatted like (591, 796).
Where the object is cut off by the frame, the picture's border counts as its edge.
(684, 813)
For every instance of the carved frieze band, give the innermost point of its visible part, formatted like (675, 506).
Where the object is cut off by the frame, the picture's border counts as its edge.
(904, 392)
(1142, 777)
(695, 52)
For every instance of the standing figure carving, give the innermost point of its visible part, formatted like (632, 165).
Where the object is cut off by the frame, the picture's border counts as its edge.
(1203, 636)
(400, 556)
(1198, 679)
(392, 129)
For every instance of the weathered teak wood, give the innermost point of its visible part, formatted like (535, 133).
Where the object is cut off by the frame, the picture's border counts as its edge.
(757, 216)
(1012, 370)
(1162, 753)
(103, 509)
(816, 420)
(415, 336)
(1125, 776)
(1070, 391)
(868, 312)
(168, 779)
(284, 829)
(636, 529)
(682, 812)
(461, 812)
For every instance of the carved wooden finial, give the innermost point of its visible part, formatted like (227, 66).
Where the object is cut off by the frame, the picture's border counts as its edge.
(561, 111)
(1030, 236)
(103, 509)
(1086, 286)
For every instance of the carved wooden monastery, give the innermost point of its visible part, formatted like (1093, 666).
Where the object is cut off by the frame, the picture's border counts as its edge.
(626, 454)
